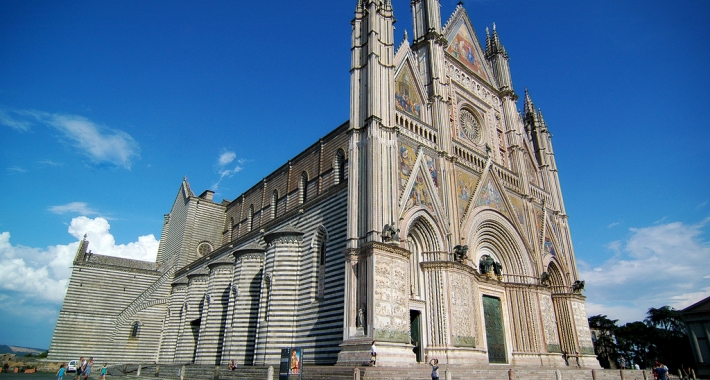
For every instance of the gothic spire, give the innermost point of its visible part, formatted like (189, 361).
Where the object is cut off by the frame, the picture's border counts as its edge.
(529, 107)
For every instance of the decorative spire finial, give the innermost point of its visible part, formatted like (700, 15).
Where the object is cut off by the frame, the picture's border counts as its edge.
(406, 36)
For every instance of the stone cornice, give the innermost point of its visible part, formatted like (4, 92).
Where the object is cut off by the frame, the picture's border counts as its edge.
(287, 234)
(382, 247)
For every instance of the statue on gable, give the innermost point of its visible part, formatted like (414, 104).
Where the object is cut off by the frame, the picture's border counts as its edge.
(545, 278)
(390, 233)
(460, 255)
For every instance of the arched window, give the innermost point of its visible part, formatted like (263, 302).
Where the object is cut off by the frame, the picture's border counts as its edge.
(319, 260)
(275, 204)
(250, 218)
(134, 330)
(303, 188)
(321, 271)
(339, 167)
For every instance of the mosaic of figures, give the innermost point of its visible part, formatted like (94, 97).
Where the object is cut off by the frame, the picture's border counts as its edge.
(465, 186)
(490, 196)
(420, 195)
(464, 48)
(517, 205)
(407, 158)
(406, 94)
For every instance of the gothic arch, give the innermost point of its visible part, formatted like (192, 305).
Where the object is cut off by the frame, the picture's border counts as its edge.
(421, 225)
(421, 237)
(489, 232)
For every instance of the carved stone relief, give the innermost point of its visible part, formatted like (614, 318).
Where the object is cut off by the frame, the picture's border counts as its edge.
(549, 323)
(583, 333)
(391, 311)
(462, 322)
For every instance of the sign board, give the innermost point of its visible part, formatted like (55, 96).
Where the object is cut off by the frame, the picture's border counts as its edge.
(291, 363)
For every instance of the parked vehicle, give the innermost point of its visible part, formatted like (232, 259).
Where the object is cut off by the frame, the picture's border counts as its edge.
(71, 366)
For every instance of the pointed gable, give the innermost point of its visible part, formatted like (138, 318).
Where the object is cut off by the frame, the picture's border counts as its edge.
(407, 94)
(490, 196)
(464, 45)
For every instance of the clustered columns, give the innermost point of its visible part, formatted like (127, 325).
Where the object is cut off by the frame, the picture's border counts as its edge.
(278, 299)
(193, 307)
(211, 339)
(243, 310)
(174, 320)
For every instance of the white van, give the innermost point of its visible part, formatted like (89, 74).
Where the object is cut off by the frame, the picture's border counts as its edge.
(71, 366)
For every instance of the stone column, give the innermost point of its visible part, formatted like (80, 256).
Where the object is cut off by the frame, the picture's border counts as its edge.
(192, 310)
(243, 310)
(209, 346)
(278, 300)
(175, 302)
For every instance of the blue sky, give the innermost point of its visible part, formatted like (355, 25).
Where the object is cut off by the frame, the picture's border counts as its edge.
(105, 106)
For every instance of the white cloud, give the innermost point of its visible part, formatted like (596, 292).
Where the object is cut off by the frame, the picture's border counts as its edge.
(226, 158)
(73, 207)
(37, 275)
(612, 225)
(13, 122)
(16, 169)
(665, 264)
(49, 163)
(701, 205)
(101, 144)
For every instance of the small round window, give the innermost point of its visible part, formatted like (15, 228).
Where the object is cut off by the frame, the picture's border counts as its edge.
(204, 248)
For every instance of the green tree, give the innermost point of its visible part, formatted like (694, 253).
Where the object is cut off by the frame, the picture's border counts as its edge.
(603, 335)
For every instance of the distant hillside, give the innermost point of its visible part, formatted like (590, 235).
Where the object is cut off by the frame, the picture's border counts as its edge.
(20, 351)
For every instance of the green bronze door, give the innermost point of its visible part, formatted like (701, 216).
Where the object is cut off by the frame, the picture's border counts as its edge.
(495, 331)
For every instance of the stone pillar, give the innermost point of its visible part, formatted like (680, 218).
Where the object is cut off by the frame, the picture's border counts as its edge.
(379, 284)
(209, 347)
(192, 310)
(175, 303)
(244, 305)
(278, 299)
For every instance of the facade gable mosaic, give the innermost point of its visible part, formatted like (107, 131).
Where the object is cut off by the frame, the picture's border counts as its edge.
(465, 186)
(421, 190)
(465, 48)
(407, 158)
(407, 92)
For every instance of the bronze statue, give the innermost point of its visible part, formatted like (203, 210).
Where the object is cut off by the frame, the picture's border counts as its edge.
(460, 253)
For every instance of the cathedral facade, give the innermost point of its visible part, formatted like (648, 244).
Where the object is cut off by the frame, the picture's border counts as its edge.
(432, 222)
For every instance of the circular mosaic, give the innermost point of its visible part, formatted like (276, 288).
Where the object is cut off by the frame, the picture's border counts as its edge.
(470, 125)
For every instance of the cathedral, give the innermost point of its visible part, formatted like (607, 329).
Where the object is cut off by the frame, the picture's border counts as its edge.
(431, 222)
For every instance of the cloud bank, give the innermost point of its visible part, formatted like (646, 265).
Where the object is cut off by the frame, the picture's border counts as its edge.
(40, 276)
(665, 264)
(99, 143)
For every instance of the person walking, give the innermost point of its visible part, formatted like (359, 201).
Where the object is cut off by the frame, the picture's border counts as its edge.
(60, 373)
(87, 368)
(434, 363)
(80, 368)
(662, 372)
(104, 369)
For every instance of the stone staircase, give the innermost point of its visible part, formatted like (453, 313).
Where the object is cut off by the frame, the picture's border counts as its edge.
(419, 372)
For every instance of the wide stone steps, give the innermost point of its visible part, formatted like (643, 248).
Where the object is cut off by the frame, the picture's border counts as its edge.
(420, 372)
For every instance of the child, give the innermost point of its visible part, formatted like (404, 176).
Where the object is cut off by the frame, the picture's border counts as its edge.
(373, 354)
(103, 372)
(60, 373)
(434, 363)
